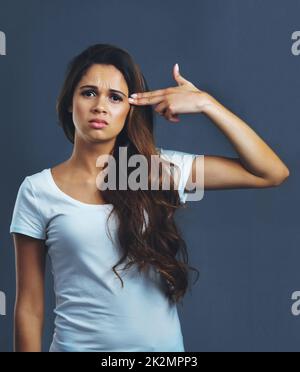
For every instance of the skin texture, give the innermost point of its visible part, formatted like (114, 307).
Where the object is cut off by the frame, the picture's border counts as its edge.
(98, 102)
(257, 166)
(30, 256)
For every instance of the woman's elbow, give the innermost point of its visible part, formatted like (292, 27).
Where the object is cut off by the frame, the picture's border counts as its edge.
(281, 176)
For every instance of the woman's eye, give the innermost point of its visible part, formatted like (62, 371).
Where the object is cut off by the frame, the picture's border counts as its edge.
(118, 97)
(88, 92)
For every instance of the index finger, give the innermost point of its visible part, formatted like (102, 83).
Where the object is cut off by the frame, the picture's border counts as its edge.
(152, 93)
(150, 100)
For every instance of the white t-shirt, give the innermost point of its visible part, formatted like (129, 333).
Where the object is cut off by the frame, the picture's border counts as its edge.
(93, 311)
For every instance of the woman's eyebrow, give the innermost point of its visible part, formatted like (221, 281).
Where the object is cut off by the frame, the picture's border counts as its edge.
(96, 88)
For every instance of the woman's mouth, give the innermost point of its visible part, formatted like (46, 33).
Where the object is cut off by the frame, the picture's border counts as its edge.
(97, 124)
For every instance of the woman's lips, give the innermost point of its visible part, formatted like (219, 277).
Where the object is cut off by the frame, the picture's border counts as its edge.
(96, 125)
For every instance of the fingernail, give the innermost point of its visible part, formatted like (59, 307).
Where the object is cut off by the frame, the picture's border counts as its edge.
(134, 95)
(177, 67)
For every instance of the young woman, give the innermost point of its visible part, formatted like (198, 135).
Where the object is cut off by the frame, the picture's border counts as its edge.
(90, 233)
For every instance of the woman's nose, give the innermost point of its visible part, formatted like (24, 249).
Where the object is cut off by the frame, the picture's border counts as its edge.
(101, 103)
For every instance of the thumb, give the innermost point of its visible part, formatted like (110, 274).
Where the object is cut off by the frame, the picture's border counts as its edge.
(180, 79)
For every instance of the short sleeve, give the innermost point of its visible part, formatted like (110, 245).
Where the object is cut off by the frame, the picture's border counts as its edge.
(184, 161)
(26, 218)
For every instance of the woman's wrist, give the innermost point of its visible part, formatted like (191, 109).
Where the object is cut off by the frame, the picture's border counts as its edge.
(206, 102)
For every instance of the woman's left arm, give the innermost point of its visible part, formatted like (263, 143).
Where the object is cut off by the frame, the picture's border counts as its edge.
(257, 164)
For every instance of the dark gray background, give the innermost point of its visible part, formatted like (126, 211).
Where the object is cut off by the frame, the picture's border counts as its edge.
(244, 242)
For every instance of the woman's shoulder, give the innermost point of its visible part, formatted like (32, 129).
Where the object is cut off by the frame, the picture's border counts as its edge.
(171, 151)
(36, 179)
(176, 156)
(41, 178)
(35, 185)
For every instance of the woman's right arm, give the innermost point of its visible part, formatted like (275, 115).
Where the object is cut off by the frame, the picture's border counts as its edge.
(30, 256)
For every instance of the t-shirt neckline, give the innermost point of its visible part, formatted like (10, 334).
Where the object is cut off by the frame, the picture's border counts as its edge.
(70, 198)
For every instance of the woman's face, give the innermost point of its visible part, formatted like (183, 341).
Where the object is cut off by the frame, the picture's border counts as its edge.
(95, 98)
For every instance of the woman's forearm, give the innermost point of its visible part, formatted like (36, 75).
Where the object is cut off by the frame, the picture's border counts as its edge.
(255, 154)
(28, 330)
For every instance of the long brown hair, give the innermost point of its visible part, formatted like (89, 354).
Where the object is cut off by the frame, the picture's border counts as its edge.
(159, 244)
